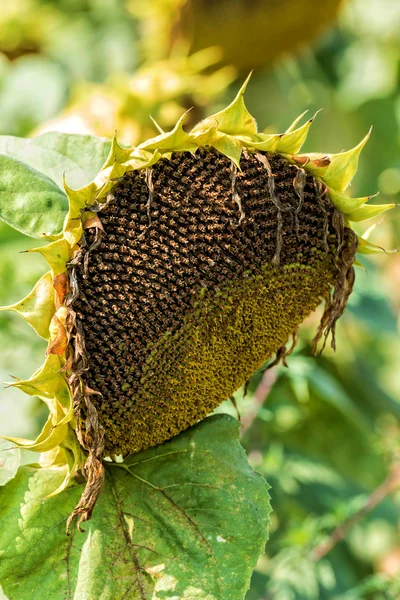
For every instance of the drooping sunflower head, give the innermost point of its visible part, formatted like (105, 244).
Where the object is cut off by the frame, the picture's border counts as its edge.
(186, 264)
(195, 274)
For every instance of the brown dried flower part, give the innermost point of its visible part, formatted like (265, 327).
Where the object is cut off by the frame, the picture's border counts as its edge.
(185, 298)
(182, 267)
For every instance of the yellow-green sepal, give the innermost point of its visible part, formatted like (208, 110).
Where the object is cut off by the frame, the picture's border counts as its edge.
(77, 200)
(368, 211)
(264, 142)
(117, 153)
(53, 458)
(357, 263)
(38, 307)
(345, 204)
(64, 399)
(70, 468)
(293, 126)
(289, 142)
(138, 159)
(57, 254)
(176, 139)
(206, 137)
(141, 159)
(234, 120)
(343, 166)
(366, 247)
(73, 459)
(230, 147)
(293, 139)
(45, 381)
(315, 163)
(51, 436)
(156, 125)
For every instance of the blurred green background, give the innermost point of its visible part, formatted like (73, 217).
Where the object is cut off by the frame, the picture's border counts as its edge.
(325, 432)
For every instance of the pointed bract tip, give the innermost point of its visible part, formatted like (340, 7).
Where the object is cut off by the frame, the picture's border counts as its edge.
(295, 122)
(315, 114)
(366, 247)
(115, 146)
(156, 125)
(344, 166)
(368, 211)
(245, 84)
(65, 185)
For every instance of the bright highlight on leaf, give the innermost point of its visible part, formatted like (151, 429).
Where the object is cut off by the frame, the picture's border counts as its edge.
(10, 458)
(30, 201)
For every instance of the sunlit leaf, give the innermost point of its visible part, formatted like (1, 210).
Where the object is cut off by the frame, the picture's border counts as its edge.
(30, 201)
(10, 458)
(185, 520)
(79, 157)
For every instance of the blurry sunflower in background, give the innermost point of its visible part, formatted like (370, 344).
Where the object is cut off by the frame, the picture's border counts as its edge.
(324, 432)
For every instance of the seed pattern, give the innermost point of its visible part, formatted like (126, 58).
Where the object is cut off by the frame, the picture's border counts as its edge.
(202, 272)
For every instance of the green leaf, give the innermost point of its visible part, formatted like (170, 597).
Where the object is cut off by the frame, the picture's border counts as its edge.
(30, 201)
(186, 520)
(10, 457)
(80, 157)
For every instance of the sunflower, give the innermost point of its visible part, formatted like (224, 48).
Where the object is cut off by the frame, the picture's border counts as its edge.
(187, 263)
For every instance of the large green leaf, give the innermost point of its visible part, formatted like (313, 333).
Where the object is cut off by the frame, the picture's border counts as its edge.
(183, 521)
(80, 157)
(30, 201)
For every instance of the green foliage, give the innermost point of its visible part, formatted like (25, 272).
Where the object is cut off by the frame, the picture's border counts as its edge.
(78, 157)
(31, 196)
(185, 520)
(32, 91)
(10, 458)
(30, 201)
